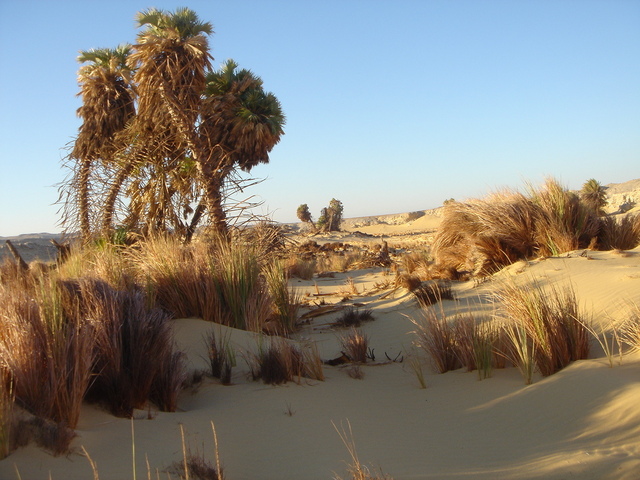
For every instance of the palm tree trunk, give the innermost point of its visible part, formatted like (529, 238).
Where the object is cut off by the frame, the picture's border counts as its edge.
(83, 198)
(112, 196)
(211, 178)
(197, 215)
(217, 215)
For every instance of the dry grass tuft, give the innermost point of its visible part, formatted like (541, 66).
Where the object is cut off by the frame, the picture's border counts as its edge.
(482, 236)
(621, 233)
(417, 262)
(46, 350)
(556, 330)
(285, 299)
(433, 291)
(221, 356)
(280, 361)
(301, 268)
(408, 281)
(436, 335)
(355, 345)
(133, 345)
(354, 317)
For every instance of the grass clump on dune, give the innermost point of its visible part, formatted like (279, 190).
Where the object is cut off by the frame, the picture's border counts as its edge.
(436, 335)
(481, 236)
(622, 233)
(278, 361)
(556, 331)
(432, 292)
(46, 350)
(354, 317)
(355, 344)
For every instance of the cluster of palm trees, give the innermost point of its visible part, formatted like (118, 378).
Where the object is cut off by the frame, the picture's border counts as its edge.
(162, 133)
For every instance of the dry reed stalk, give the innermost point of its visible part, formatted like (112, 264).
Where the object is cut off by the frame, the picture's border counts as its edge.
(7, 401)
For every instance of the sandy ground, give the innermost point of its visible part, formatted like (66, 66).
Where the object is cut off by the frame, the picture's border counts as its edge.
(582, 422)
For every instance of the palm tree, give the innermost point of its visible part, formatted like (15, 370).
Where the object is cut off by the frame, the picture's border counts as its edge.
(241, 123)
(191, 131)
(594, 196)
(170, 58)
(108, 105)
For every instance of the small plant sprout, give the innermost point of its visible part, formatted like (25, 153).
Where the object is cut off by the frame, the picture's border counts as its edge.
(289, 411)
(416, 367)
(356, 470)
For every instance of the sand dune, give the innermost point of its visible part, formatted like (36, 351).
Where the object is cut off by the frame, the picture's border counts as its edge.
(582, 422)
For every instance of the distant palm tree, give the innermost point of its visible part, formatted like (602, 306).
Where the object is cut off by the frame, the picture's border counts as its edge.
(107, 107)
(170, 58)
(594, 196)
(241, 123)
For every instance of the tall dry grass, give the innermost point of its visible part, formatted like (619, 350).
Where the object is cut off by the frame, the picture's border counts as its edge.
(476, 343)
(279, 360)
(133, 347)
(481, 236)
(286, 300)
(557, 332)
(46, 349)
(178, 278)
(622, 233)
(237, 283)
(96, 328)
(436, 334)
(567, 223)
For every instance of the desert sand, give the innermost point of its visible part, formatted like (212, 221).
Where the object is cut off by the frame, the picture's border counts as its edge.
(582, 422)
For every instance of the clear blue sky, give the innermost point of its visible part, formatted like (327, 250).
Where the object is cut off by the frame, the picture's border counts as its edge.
(391, 106)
